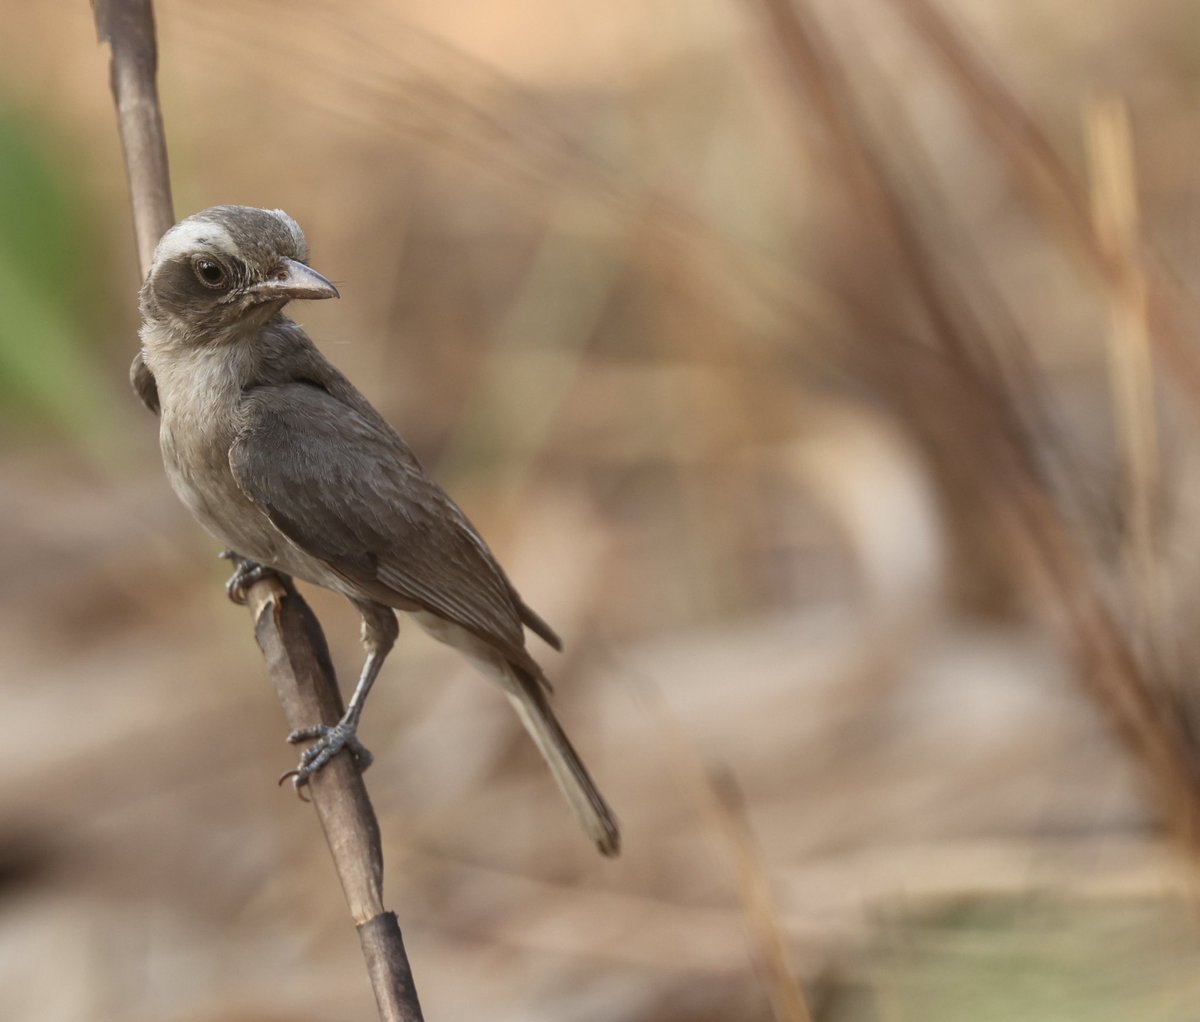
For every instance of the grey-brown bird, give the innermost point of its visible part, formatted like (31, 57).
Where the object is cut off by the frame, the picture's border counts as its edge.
(286, 463)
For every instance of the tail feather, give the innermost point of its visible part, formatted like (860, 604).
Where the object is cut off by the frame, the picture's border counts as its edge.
(534, 622)
(568, 770)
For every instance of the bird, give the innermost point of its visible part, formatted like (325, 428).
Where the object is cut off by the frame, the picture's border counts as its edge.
(280, 457)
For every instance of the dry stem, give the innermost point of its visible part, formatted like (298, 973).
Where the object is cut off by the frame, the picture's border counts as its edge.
(1027, 519)
(286, 629)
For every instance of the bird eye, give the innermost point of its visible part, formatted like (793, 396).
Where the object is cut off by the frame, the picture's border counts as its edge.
(209, 272)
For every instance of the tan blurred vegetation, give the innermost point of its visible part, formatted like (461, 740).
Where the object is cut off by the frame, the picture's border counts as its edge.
(830, 384)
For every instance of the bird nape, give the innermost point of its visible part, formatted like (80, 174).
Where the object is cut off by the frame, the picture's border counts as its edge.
(279, 456)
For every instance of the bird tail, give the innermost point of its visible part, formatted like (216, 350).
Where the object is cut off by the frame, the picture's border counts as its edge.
(529, 700)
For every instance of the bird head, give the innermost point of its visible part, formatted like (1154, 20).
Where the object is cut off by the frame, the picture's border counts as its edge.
(228, 270)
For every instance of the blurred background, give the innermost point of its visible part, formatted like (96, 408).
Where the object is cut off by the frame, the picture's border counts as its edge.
(826, 372)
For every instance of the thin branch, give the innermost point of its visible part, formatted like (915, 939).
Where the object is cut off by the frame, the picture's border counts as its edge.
(285, 627)
(298, 658)
(128, 27)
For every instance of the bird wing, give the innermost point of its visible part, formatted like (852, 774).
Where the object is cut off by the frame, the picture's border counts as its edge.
(342, 485)
(143, 382)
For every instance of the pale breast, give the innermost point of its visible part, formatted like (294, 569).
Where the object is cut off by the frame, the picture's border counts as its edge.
(200, 391)
(195, 449)
(199, 396)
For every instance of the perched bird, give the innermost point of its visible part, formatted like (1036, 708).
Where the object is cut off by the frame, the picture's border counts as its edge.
(286, 463)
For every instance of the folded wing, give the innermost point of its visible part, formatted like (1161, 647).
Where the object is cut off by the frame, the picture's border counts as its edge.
(342, 485)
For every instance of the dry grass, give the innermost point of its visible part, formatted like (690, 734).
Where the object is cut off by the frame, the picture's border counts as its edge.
(824, 369)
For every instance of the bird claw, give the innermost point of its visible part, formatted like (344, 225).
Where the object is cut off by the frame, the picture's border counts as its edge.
(245, 574)
(327, 741)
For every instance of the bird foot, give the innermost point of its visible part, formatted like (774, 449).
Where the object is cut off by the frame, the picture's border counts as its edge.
(245, 574)
(327, 742)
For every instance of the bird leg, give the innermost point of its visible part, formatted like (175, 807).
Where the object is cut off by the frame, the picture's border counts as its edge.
(379, 631)
(245, 574)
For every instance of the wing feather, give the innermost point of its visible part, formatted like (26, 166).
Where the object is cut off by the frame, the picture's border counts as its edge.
(342, 485)
(143, 382)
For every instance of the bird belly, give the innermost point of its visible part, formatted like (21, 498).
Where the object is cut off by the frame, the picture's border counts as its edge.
(218, 503)
(197, 429)
(197, 466)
